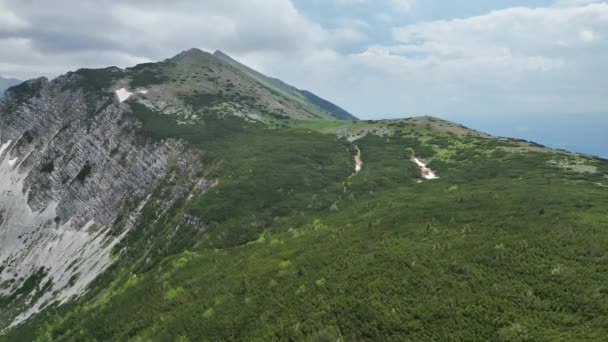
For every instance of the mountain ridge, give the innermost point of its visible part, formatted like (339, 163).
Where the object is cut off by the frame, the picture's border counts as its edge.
(184, 200)
(332, 109)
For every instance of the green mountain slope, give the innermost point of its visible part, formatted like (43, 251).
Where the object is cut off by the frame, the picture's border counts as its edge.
(309, 99)
(335, 111)
(293, 243)
(195, 84)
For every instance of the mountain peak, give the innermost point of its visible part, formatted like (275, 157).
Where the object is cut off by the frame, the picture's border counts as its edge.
(198, 82)
(193, 53)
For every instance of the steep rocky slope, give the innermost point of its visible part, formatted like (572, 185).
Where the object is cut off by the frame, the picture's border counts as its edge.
(76, 175)
(69, 165)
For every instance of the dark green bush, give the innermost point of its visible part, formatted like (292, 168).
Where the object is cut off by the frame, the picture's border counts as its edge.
(48, 167)
(84, 172)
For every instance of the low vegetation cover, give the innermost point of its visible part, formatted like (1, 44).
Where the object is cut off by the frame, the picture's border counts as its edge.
(508, 244)
(290, 241)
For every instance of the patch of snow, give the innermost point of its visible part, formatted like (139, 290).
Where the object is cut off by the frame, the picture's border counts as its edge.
(4, 147)
(142, 91)
(123, 94)
(427, 173)
(358, 162)
(430, 175)
(418, 162)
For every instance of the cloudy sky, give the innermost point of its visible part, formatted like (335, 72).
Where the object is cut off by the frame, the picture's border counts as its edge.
(376, 58)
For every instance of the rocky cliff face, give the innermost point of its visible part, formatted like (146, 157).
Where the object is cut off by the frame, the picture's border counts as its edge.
(69, 165)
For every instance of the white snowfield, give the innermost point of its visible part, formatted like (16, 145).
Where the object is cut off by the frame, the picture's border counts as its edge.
(5, 146)
(427, 173)
(358, 161)
(123, 94)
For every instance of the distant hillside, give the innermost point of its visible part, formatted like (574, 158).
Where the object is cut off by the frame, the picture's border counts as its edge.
(290, 91)
(576, 132)
(328, 106)
(6, 83)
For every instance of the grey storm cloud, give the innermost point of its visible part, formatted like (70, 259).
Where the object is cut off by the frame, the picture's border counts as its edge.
(140, 30)
(56, 42)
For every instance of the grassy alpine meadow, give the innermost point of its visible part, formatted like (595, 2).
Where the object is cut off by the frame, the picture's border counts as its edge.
(508, 244)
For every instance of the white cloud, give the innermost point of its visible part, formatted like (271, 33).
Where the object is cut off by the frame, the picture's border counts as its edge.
(155, 30)
(353, 23)
(346, 35)
(403, 6)
(587, 36)
(351, 2)
(19, 57)
(571, 3)
(383, 17)
(513, 60)
(9, 21)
